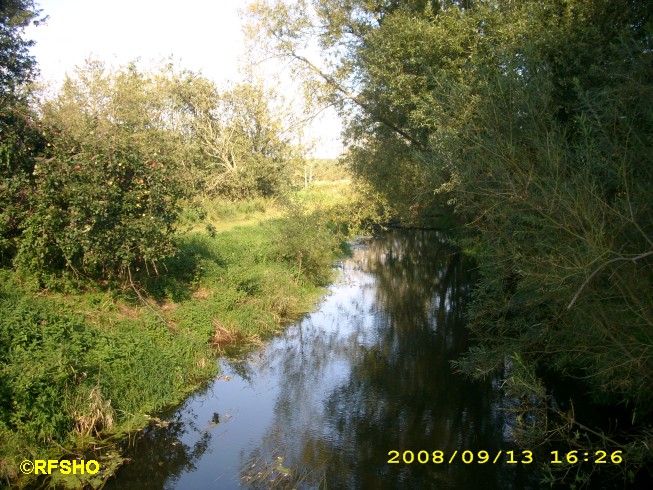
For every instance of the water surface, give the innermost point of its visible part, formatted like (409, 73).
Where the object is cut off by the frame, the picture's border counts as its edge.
(325, 402)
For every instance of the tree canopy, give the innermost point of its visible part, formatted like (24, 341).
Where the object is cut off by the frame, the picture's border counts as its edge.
(17, 66)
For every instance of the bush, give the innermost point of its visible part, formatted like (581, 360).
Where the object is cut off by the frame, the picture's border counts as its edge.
(105, 199)
(99, 215)
(304, 239)
(20, 141)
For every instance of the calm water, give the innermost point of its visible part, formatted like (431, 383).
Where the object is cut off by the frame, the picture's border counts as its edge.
(330, 398)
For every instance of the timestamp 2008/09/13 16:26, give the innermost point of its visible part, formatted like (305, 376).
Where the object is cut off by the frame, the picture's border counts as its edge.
(501, 456)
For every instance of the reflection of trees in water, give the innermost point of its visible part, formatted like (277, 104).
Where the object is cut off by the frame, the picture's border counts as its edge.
(240, 367)
(422, 283)
(397, 390)
(160, 456)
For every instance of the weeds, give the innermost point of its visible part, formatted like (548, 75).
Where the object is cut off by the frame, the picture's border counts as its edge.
(259, 473)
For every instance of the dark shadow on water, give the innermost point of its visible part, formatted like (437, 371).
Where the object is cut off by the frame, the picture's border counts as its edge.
(160, 455)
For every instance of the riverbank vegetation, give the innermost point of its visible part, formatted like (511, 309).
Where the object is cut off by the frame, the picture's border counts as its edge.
(83, 367)
(530, 123)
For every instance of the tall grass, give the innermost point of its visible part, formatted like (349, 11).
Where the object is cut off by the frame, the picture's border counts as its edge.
(251, 280)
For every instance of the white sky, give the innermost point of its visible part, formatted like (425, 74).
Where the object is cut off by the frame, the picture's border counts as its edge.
(200, 35)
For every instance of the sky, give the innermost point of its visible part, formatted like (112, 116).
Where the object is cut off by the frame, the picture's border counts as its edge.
(201, 35)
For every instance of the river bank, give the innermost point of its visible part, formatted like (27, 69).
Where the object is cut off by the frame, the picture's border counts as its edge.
(83, 370)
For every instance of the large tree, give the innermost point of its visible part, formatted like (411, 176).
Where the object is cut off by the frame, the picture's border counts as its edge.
(20, 136)
(247, 137)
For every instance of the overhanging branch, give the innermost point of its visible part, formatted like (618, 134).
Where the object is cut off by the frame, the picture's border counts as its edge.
(600, 268)
(357, 100)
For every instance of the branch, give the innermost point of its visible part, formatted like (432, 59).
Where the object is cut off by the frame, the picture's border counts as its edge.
(600, 268)
(357, 100)
(138, 290)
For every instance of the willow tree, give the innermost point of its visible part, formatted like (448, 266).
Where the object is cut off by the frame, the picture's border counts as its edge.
(533, 121)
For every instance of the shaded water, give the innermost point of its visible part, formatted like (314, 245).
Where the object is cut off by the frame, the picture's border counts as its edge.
(335, 393)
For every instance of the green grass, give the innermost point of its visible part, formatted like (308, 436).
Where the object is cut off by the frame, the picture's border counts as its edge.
(248, 281)
(67, 379)
(216, 215)
(81, 368)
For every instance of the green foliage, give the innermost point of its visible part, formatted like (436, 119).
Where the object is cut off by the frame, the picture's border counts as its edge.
(346, 208)
(122, 145)
(215, 215)
(562, 153)
(20, 142)
(532, 121)
(18, 66)
(319, 170)
(80, 367)
(64, 377)
(260, 154)
(247, 281)
(105, 199)
(304, 241)
(90, 187)
(20, 135)
(245, 138)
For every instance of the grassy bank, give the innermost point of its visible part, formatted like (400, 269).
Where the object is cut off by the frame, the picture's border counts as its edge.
(80, 370)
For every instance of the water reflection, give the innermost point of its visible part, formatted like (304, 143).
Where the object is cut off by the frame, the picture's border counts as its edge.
(173, 444)
(368, 373)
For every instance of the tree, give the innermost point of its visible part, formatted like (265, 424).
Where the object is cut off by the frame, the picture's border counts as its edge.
(105, 198)
(247, 138)
(533, 120)
(17, 67)
(123, 146)
(375, 64)
(556, 170)
(20, 135)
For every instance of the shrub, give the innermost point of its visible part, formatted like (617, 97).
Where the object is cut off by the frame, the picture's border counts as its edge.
(105, 198)
(20, 141)
(100, 215)
(305, 239)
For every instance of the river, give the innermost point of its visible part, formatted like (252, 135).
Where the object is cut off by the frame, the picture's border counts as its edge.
(325, 403)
